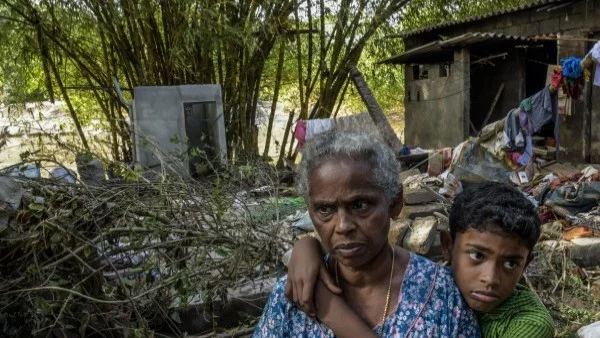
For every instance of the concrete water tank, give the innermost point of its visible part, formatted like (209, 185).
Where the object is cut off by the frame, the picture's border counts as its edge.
(179, 123)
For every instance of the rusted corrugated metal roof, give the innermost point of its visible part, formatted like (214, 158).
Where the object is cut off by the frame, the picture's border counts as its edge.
(441, 46)
(533, 4)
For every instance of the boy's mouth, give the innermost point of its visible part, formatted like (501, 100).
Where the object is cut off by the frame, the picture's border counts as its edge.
(485, 296)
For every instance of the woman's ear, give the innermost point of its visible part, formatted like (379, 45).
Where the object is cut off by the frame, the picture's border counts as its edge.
(447, 245)
(396, 205)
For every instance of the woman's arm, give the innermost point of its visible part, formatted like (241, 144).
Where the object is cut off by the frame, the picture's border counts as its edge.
(334, 312)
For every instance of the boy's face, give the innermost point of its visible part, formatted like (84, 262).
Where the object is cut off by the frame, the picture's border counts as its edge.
(486, 265)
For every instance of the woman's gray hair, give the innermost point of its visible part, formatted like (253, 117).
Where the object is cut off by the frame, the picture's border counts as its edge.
(361, 146)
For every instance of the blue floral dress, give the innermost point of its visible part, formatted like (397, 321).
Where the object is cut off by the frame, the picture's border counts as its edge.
(429, 305)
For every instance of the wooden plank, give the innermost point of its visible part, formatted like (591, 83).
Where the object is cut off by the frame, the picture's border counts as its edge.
(489, 114)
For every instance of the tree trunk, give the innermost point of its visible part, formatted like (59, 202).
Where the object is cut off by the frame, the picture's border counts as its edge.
(275, 97)
(381, 122)
(288, 127)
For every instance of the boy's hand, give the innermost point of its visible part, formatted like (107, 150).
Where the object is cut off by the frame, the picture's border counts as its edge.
(306, 266)
(334, 312)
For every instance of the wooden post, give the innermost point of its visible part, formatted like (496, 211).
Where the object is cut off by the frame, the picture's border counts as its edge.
(381, 122)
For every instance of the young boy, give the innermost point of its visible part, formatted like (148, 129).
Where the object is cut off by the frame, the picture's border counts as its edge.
(493, 229)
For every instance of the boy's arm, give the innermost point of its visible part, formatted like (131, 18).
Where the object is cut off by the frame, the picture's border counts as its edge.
(334, 312)
(529, 328)
(306, 266)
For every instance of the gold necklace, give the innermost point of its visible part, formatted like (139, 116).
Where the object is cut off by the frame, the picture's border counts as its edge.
(389, 291)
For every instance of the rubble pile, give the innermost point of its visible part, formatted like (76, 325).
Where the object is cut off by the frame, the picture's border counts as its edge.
(132, 257)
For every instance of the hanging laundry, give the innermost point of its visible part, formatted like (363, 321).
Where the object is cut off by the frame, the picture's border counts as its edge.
(512, 138)
(315, 127)
(595, 53)
(539, 109)
(557, 77)
(572, 77)
(527, 128)
(300, 133)
(571, 67)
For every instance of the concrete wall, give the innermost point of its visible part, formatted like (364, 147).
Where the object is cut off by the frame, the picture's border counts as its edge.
(577, 19)
(160, 122)
(437, 117)
(578, 15)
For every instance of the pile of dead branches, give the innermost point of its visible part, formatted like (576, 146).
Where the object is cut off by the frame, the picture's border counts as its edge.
(110, 260)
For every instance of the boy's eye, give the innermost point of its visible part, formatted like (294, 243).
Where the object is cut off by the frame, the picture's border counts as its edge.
(511, 265)
(476, 256)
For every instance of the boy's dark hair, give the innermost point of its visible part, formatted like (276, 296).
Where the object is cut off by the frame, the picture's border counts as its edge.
(484, 205)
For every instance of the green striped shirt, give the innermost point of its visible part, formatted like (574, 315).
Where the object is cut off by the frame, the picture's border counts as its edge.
(520, 316)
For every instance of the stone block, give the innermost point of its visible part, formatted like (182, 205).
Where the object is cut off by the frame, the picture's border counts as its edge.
(418, 196)
(435, 252)
(540, 15)
(549, 26)
(530, 29)
(504, 21)
(512, 30)
(423, 210)
(572, 22)
(398, 230)
(421, 235)
(583, 6)
(246, 300)
(585, 252)
(408, 173)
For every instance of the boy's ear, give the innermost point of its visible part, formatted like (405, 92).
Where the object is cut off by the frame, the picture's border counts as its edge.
(447, 245)
(396, 205)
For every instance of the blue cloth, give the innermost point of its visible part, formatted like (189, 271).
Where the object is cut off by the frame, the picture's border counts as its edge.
(405, 150)
(430, 305)
(525, 158)
(513, 138)
(571, 67)
(540, 108)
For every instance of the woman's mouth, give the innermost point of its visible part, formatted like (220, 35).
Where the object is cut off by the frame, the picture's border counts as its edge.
(485, 296)
(348, 249)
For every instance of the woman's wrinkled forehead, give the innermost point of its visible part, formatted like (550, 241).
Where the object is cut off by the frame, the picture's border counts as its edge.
(343, 171)
(342, 163)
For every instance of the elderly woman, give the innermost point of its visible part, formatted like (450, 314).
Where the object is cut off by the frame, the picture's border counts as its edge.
(350, 182)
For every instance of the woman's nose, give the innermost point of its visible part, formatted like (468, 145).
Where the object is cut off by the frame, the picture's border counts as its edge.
(345, 221)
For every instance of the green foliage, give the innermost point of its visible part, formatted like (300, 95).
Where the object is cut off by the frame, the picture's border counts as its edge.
(71, 50)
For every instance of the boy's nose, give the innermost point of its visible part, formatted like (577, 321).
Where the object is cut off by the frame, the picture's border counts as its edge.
(490, 276)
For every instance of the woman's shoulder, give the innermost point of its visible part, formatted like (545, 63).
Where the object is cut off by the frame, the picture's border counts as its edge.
(421, 267)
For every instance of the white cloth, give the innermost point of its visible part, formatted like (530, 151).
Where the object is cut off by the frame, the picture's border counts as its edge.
(315, 127)
(596, 57)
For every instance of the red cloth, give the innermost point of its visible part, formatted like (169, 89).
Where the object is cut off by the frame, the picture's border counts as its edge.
(300, 133)
(557, 77)
(545, 215)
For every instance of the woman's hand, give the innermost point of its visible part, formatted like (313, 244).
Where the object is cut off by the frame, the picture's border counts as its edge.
(306, 266)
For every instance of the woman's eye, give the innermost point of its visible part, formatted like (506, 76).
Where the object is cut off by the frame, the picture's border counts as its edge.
(324, 209)
(359, 205)
(476, 256)
(511, 265)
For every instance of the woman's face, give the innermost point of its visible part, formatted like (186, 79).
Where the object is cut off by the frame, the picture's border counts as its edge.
(349, 210)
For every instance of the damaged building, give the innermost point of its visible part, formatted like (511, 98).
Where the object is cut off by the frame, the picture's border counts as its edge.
(462, 75)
